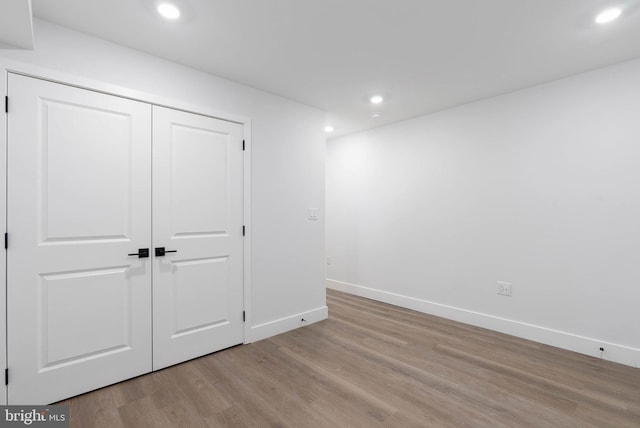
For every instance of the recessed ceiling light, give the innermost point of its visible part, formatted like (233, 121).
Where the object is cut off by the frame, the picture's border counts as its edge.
(376, 99)
(328, 129)
(168, 11)
(376, 114)
(608, 15)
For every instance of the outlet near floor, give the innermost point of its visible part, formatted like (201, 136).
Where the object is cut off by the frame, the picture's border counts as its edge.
(504, 288)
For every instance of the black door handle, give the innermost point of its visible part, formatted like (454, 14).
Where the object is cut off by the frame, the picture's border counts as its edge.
(160, 251)
(142, 253)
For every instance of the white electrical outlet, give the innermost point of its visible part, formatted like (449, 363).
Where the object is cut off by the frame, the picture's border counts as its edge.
(504, 288)
(329, 260)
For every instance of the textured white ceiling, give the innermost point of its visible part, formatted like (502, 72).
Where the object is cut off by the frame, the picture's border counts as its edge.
(423, 55)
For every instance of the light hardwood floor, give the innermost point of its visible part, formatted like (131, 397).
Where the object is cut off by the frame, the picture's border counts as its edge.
(370, 365)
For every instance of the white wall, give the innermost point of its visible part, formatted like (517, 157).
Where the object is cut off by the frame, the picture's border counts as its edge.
(287, 157)
(540, 188)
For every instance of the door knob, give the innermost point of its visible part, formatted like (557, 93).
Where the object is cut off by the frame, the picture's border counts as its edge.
(160, 251)
(142, 253)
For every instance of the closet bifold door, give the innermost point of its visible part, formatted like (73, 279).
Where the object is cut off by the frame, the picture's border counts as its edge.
(79, 212)
(197, 235)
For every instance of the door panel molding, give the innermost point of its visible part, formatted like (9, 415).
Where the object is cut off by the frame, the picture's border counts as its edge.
(197, 212)
(78, 308)
(53, 241)
(157, 99)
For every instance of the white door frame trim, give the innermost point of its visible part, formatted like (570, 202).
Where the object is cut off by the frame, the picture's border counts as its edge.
(30, 70)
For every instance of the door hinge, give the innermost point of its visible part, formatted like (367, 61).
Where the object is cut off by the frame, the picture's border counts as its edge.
(244, 230)
(6, 103)
(6, 376)
(242, 145)
(244, 316)
(6, 240)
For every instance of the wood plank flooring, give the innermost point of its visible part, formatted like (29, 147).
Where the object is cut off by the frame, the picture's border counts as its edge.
(375, 365)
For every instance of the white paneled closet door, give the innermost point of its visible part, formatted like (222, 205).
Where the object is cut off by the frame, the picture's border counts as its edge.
(79, 203)
(197, 235)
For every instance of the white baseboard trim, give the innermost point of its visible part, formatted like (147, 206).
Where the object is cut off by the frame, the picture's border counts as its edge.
(282, 325)
(560, 339)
